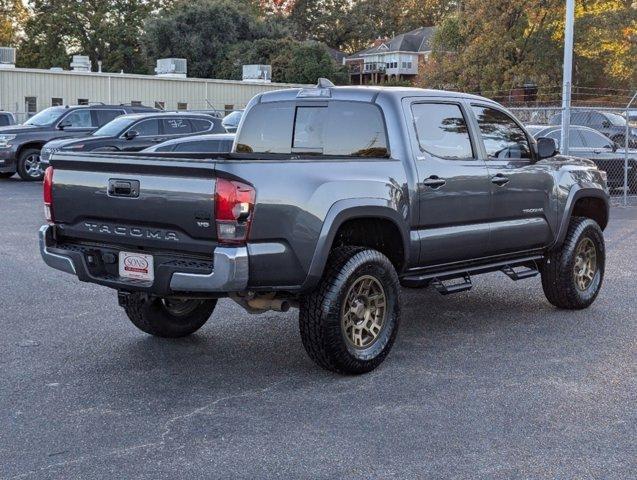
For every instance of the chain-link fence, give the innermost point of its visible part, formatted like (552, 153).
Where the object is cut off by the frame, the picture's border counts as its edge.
(605, 135)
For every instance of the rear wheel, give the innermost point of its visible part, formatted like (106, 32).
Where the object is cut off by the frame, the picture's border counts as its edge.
(29, 166)
(169, 318)
(349, 323)
(572, 276)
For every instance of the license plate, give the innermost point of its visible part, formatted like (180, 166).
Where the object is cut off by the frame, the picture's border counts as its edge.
(136, 265)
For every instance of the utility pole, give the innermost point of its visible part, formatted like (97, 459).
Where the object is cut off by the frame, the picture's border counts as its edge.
(567, 75)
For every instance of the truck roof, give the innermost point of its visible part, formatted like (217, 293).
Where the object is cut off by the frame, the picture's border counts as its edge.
(361, 93)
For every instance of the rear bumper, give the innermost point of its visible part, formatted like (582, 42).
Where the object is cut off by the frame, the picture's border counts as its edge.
(227, 272)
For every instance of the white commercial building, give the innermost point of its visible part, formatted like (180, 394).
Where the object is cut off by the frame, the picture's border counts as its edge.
(26, 91)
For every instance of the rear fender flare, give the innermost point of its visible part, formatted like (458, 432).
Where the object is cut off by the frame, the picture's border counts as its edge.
(338, 214)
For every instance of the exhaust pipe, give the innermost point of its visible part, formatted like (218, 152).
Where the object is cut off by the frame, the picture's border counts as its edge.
(276, 304)
(260, 303)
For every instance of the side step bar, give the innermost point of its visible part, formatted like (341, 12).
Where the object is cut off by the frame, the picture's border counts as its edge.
(443, 281)
(447, 288)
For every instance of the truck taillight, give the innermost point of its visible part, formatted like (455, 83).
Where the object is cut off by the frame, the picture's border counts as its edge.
(48, 194)
(234, 207)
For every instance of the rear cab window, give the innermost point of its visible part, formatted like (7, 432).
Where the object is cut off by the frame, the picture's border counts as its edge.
(333, 128)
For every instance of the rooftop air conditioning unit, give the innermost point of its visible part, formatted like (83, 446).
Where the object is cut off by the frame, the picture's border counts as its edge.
(171, 67)
(257, 73)
(7, 57)
(81, 63)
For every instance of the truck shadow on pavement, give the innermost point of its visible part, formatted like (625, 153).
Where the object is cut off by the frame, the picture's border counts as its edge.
(235, 345)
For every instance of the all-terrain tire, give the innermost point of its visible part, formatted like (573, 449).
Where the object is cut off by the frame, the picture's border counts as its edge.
(26, 165)
(559, 270)
(322, 312)
(161, 318)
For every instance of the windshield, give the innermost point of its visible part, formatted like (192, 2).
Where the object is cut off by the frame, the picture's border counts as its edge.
(232, 119)
(534, 130)
(114, 127)
(47, 116)
(616, 119)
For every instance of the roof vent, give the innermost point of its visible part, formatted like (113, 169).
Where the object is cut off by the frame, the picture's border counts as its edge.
(81, 63)
(171, 67)
(257, 73)
(7, 57)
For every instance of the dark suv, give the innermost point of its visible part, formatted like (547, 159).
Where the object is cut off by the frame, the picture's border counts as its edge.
(20, 145)
(132, 133)
(610, 124)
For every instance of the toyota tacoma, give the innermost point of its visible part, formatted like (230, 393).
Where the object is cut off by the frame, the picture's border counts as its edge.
(331, 200)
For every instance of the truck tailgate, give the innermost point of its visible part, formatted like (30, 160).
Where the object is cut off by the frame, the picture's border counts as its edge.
(150, 202)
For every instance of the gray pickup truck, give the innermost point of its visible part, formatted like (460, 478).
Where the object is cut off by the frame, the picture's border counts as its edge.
(332, 198)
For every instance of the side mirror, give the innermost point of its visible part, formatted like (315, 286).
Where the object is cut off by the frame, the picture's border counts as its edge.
(64, 124)
(131, 134)
(546, 147)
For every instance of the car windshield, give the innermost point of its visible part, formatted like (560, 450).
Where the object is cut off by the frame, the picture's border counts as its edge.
(47, 116)
(534, 130)
(232, 118)
(114, 127)
(615, 119)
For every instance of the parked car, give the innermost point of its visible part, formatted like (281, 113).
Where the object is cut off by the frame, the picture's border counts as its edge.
(132, 133)
(610, 124)
(333, 198)
(6, 119)
(231, 121)
(212, 143)
(20, 145)
(585, 142)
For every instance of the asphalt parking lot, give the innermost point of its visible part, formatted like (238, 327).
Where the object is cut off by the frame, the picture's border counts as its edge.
(491, 383)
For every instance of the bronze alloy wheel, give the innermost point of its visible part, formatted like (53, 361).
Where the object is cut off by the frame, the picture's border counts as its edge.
(585, 266)
(364, 311)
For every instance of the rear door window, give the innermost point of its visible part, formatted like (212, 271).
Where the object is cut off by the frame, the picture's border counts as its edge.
(200, 125)
(176, 126)
(105, 116)
(442, 130)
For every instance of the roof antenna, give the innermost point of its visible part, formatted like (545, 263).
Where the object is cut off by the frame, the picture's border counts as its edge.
(324, 83)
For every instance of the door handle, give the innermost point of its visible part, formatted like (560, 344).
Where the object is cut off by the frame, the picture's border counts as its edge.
(434, 182)
(500, 179)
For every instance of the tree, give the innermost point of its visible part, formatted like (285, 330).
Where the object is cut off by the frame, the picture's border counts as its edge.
(202, 32)
(491, 46)
(306, 62)
(496, 44)
(351, 25)
(292, 61)
(13, 14)
(106, 30)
